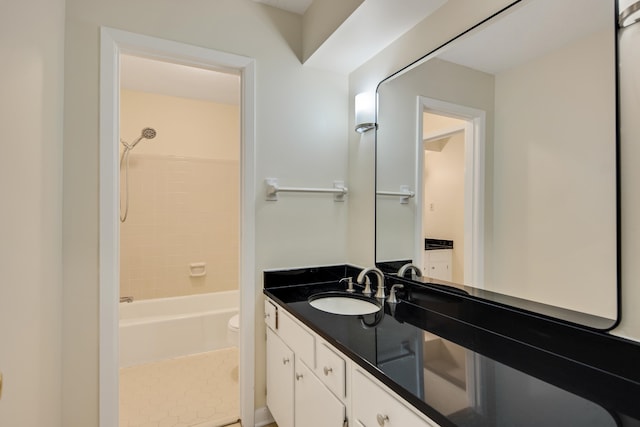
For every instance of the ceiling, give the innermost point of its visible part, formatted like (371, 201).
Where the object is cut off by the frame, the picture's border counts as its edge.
(165, 78)
(374, 25)
(295, 6)
(370, 28)
(517, 41)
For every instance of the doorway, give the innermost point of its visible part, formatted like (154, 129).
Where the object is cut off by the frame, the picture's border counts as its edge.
(114, 43)
(443, 197)
(458, 131)
(179, 243)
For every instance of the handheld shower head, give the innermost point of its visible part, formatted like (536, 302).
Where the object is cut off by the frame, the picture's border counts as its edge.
(148, 133)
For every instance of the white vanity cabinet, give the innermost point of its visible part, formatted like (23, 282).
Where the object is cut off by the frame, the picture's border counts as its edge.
(296, 396)
(311, 384)
(437, 264)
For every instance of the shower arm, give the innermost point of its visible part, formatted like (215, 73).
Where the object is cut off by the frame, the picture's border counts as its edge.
(128, 146)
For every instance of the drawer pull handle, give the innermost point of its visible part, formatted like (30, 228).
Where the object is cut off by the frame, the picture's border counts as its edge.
(298, 377)
(382, 419)
(285, 360)
(327, 370)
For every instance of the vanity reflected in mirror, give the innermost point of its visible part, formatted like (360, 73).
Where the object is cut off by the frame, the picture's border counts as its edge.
(507, 136)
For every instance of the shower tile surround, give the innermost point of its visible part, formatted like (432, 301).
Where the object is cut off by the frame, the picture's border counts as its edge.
(181, 211)
(571, 360)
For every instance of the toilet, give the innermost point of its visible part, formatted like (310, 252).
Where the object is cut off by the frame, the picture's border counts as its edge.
(233, 327)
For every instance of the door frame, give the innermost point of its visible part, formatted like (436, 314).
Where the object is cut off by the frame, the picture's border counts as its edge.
(474, 182)
(113, 42)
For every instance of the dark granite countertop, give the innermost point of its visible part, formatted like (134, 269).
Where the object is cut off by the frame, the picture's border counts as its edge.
(470, 364)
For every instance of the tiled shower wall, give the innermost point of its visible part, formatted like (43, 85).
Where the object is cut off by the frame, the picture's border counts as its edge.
(182, 210)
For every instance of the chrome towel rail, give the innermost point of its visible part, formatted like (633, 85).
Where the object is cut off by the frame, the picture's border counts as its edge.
(405, 194)
(339, 190)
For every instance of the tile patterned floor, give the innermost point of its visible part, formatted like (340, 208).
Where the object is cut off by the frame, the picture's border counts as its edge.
(193, 391)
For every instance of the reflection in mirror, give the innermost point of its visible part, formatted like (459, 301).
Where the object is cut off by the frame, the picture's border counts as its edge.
(507, 135)
(467, 386)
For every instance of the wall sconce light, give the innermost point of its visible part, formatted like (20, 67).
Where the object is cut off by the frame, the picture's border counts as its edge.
(630, 12)
(365, 111)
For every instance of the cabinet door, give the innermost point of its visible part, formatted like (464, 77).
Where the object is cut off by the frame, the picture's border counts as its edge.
(373, 406)
(315, 405)
(437, 264)
(280, 381)
(440, 270)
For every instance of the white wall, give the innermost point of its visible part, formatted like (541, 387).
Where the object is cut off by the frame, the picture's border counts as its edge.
(300, 136)
(31, 46)
(184, 127)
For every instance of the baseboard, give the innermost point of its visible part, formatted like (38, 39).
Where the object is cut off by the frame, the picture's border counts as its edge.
(262, 417)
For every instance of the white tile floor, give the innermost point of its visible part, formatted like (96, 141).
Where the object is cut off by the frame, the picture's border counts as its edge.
(192, 391)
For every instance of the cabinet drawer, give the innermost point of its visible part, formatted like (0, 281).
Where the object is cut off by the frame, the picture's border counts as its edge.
(373, 406)
(300, 340)
(331, 370)
(270, 315)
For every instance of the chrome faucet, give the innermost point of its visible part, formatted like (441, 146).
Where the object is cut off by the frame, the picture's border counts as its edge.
(363, 274)
(392, 293)
(409, 266)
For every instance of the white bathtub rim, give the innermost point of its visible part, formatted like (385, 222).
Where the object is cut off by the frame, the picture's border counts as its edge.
(147, 336)
(156, 319)
(185, 304)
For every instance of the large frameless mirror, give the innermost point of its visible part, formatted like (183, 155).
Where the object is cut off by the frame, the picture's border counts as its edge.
(504, 144)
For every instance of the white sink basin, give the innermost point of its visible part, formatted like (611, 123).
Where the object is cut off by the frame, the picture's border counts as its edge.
(345, 304)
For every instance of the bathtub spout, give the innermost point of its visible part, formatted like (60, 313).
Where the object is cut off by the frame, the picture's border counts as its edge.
(126, 299)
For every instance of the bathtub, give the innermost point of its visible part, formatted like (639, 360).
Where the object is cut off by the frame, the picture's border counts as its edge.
(160, 329)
